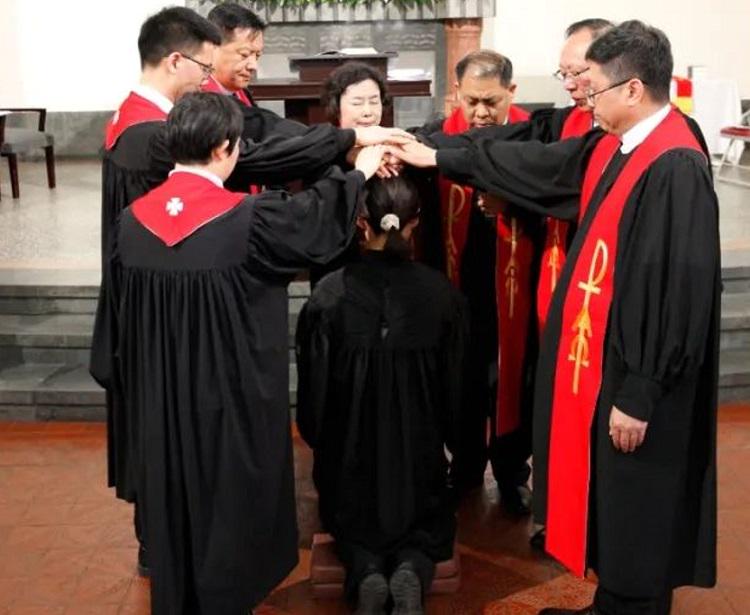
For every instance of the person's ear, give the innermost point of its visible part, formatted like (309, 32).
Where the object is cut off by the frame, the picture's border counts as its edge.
(512, 89)
(171, 61)
(636, 92)
(221, 152)
(455, 92)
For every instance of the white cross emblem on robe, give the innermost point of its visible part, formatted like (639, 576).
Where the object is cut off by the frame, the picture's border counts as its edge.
(174, 206)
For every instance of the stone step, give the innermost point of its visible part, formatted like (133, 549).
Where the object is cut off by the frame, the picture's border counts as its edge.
(734, 375)
(66, 338)
(49, 391)
(735, 320)
(735, 271)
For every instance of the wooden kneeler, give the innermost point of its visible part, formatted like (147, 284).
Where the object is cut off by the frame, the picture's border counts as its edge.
(327, 573)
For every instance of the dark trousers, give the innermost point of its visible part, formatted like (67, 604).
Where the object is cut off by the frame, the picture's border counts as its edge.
(477, 443)
(609, 603)
(359, 563)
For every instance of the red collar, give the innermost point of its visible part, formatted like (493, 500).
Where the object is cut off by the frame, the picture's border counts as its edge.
(212, 85)
(134, 110)
(456, 123)
(182, 205)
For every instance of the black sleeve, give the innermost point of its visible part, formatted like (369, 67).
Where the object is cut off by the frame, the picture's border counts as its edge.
(291, 232)
(666, 285)
(105, 341)
(453, 365)
(313, 347)
(281, 158)
(544, 125)
(542, 178)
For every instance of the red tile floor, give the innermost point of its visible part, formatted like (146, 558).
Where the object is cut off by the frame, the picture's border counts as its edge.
(66, 544)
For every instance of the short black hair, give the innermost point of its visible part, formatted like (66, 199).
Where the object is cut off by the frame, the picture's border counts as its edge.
(341, 78)
(230, 16)
(490, 64)
(634, 49)
(596, 25)
(394, 195)
(174, 29)
(199, 123)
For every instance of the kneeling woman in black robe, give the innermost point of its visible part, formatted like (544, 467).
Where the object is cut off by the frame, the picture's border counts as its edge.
(380, 351)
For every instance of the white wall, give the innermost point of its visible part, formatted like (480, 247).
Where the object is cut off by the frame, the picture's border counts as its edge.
(72, 55)
(81, 55)
(713, 33)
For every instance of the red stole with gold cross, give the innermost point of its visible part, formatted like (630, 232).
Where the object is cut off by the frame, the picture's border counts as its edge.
(580, 354)
(577, 124)
(456, 199)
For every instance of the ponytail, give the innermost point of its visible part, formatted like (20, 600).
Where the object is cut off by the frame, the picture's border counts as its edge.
(391, 204)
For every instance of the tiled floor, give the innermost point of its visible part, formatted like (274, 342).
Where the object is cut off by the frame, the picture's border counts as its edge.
(59, 229)
(66, 544)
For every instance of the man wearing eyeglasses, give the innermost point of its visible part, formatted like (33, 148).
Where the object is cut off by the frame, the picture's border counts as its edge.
(282, 150)
(626, 391)
(548, 126)
(176, 48)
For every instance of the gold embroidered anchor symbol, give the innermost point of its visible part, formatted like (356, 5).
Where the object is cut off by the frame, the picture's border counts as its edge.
(511, 284)
(579, 348)
(553, 262)
(456, 204)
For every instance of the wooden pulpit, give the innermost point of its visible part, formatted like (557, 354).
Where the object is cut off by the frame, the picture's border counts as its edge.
(301, 96)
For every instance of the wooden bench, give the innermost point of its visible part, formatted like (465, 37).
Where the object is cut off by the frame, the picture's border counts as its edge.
(327, 574)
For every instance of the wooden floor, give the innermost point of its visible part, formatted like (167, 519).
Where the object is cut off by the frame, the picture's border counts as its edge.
(67, 547)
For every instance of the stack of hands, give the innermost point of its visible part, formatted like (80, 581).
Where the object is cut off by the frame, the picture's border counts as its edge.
(392, 147)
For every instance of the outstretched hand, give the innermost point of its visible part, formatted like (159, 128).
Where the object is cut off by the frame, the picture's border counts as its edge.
(375, 135)
(416, 154)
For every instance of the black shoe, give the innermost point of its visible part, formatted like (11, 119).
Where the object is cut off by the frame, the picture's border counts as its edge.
(538, 538)
(589, 610)
(143, 569)
(406, 590)
(372, 595)
(516, 500)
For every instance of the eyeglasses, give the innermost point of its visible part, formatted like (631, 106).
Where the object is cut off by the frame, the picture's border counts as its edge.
(572, 75)
(207, 69)
(591, 96)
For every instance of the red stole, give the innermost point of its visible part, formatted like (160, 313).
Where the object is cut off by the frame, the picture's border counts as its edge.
(455, 200)
(580, 354)
(578, 123)
(181, 205)
(211, 85)
(514, 253)
(134, 110)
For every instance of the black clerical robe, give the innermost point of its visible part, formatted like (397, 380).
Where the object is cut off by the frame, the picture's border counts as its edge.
(649, 516)
(136, 159)
(380, 346)
(548, 126)
(192, 329)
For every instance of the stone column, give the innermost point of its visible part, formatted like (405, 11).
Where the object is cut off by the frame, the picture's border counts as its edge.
(461, 37)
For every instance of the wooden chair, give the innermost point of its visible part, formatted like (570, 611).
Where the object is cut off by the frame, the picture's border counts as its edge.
(739, 132)
(14, 141)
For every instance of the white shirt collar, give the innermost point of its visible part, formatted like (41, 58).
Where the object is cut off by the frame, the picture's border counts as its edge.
(185, 168)
(156, 97)
(638, 133)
